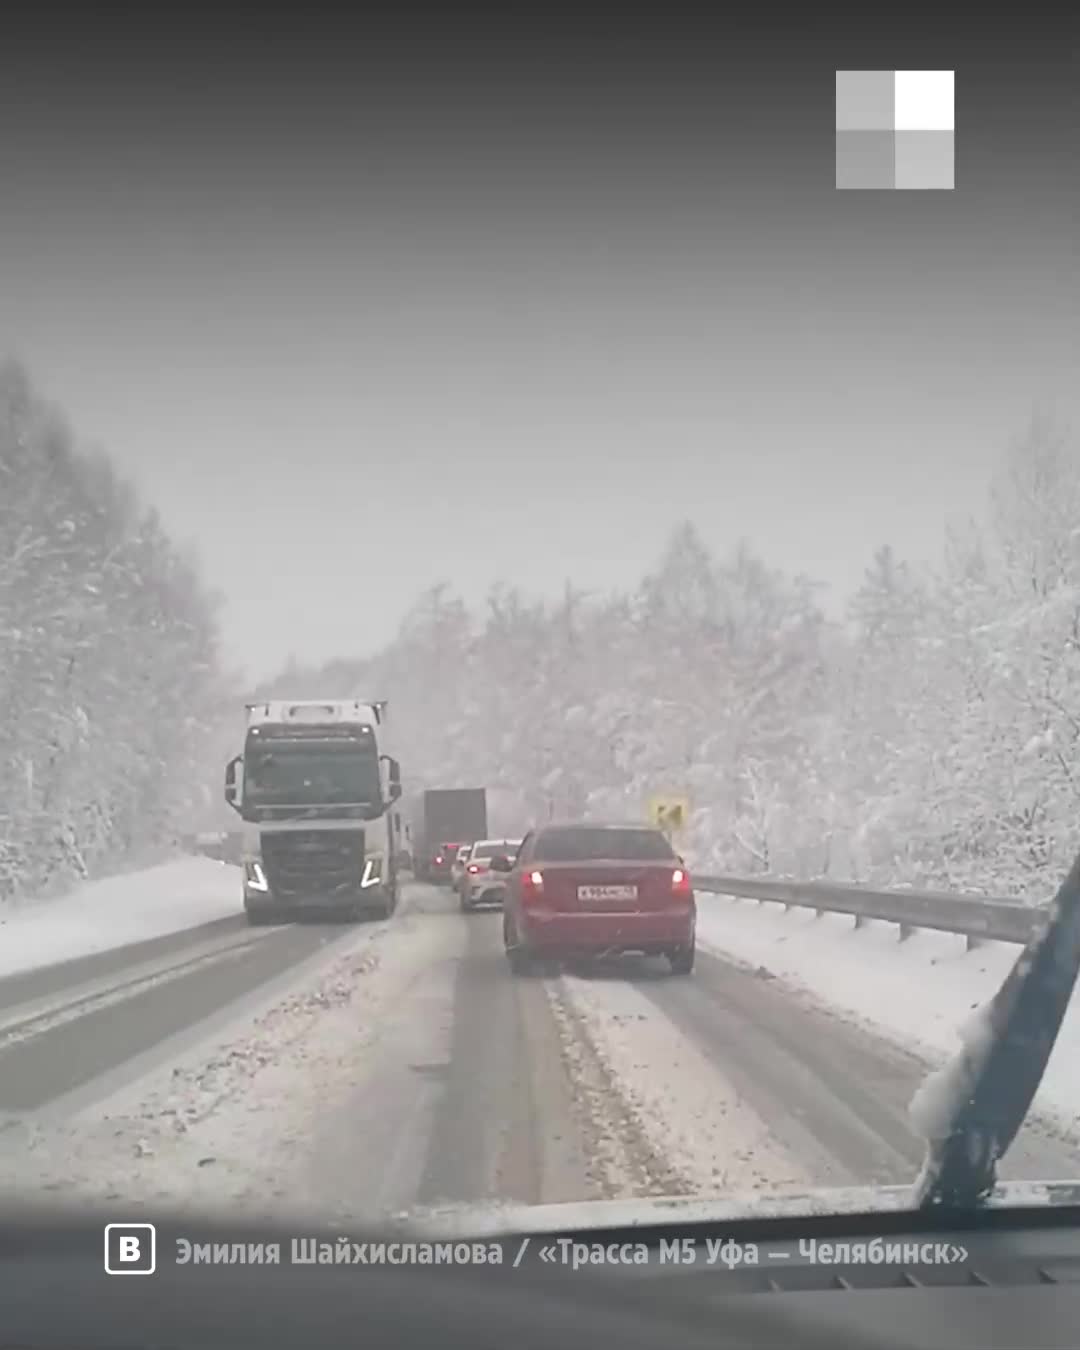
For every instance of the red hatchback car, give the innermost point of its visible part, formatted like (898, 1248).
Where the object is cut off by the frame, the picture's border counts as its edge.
(594, 890)
(439, 868)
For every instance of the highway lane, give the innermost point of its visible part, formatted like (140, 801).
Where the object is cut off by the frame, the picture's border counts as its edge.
(63, 1027)
(498, 1089)
(29, 986)
(466, 1096)
(839, 1093)
(418, 1073)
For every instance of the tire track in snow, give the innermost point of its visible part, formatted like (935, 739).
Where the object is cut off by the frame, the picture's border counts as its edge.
(677, 1124)
(623, 1160)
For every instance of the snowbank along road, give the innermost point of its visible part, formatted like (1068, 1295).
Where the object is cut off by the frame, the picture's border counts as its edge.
(398, 1066)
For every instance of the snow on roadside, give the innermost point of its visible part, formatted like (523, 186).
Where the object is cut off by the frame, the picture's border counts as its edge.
(229, 1126)
(693, 1118)
(101, 915)
(918, 993)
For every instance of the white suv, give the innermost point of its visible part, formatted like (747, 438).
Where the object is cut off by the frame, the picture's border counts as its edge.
(479, 884)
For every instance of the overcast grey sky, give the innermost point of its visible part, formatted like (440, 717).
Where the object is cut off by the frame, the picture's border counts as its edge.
(356, 328)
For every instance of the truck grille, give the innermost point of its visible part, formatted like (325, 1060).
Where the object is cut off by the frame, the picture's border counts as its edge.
(313, 862)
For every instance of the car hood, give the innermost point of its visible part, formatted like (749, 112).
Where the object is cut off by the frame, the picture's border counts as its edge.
(496, 1220)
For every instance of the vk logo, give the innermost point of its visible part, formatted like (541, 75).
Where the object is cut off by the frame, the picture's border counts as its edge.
(130, 1249)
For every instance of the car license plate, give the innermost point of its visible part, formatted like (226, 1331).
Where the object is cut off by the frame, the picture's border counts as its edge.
(607, 892)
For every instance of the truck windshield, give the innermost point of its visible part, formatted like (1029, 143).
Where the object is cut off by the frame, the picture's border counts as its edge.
(309, 775)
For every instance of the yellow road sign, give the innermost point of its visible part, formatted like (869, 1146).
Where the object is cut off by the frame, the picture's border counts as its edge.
(669, 813)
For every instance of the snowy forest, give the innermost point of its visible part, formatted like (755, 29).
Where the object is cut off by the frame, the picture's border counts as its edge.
(927, 738)
(109, 672)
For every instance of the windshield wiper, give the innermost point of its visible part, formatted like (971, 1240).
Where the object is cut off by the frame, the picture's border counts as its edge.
(970, 1110)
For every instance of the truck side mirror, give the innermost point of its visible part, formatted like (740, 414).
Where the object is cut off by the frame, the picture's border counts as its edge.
(232, 786)
(394, 776)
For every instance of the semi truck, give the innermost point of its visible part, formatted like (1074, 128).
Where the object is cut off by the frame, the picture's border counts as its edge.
(318, 794)
(442, 820)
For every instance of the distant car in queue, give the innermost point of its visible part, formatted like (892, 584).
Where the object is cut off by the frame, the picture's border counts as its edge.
(479, 884)
(443, 861)
(586, 890)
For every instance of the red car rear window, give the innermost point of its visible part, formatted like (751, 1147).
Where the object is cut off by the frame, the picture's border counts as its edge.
(582, 844)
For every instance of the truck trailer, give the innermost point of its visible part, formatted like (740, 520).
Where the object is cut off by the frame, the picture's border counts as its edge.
(443, 820)
(318, 796)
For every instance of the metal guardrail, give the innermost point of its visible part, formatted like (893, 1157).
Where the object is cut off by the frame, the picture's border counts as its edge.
(973, 916)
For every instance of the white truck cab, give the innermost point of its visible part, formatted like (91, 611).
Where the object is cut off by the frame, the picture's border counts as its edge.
(318, 793)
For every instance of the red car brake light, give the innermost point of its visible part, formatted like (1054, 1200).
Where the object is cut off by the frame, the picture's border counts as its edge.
(438, 861)
(473, 869)
(680, 882)
(532, 886)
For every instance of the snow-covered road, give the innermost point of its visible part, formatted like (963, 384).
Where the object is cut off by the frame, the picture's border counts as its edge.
(394, 1066)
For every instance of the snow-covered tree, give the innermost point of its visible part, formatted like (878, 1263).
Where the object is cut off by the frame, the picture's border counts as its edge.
(108, 659)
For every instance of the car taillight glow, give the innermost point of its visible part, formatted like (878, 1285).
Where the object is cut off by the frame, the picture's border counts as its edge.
(680, 882)
(532, 885)
(473, 869)
(438, 861)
